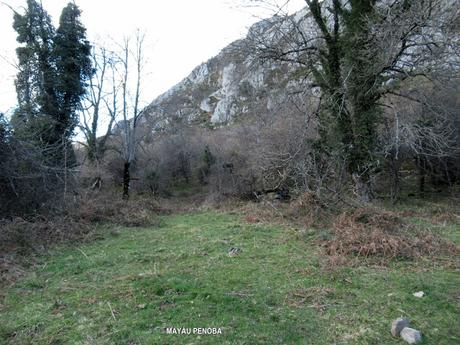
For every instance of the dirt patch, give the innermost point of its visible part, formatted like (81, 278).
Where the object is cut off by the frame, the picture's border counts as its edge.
(251, 219)
(314, 297)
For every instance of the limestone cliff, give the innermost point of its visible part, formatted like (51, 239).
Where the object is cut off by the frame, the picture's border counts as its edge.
(233, 84)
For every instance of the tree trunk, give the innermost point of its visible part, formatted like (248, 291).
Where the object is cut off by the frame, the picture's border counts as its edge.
(421, 164)
(394, 165)
(395, 185)
(126, 180)
(363, 188)
(421, 182)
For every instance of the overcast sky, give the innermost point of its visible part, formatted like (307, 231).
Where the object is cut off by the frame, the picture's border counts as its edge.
(181, 34)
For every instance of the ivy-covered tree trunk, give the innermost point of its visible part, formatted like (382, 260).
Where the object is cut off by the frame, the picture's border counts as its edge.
(126, 180)
(361, 85)
(346, 80)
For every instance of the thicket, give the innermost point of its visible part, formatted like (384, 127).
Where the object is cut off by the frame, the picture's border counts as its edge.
(418, 152)
(36, 144)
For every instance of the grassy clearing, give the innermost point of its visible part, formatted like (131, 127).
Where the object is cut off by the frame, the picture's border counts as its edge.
(127, 288)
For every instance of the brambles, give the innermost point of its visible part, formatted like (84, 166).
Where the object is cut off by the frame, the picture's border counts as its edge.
(367, 232)
(100, 208)
(29, 235)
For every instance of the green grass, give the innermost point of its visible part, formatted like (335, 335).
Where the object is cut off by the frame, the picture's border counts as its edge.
(126, 289)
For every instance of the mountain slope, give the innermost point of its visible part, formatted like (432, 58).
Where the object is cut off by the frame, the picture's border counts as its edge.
(232, 84)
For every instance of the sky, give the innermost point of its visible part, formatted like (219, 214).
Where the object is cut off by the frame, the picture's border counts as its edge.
(180, 34)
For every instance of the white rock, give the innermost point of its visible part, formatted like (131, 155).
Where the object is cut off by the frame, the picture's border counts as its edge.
(205, 105)
(227, 76)
(398, 325)
(419, 294)
(300, 15)
(256, 77)
(199, 74)
(411, 336)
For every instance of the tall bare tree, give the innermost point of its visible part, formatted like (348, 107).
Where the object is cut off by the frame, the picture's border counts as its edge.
(131, 112)
(100, 103)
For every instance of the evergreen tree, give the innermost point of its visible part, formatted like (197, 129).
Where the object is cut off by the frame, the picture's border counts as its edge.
(73, 65)
(36, 77)
(53, 69)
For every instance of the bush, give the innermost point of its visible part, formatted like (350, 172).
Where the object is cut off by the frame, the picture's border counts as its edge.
(33, 234)
(110, 208)
(27, 184)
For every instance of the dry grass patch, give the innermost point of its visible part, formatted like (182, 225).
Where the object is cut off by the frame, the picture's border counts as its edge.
(39, 232)
(368, 232)
(105, 208)
(309, 210)
(314, 297)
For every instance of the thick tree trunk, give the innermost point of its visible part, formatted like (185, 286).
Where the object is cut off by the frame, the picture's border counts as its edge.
(126, 180)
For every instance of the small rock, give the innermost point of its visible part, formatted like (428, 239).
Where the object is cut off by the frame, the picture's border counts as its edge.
(234, 251)
(419, 294)
(398, 325)
(411, 336)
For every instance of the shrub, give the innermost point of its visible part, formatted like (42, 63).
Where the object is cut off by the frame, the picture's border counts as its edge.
(110, 208)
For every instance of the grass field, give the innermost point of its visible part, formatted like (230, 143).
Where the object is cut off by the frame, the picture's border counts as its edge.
(131, 285)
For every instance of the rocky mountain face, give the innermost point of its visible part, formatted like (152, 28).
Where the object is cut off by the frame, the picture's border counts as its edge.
(236, 83)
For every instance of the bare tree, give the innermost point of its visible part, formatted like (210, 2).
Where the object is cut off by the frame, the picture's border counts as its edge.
(100, 101)
(423, 126)
(130, 111)
(28, 183)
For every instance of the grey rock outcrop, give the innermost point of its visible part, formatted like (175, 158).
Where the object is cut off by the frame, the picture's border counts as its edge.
(232, 84)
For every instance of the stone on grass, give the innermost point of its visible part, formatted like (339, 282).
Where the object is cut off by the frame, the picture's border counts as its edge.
(398, 325)
(234, 251)
(419, 294)
(411, 336)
